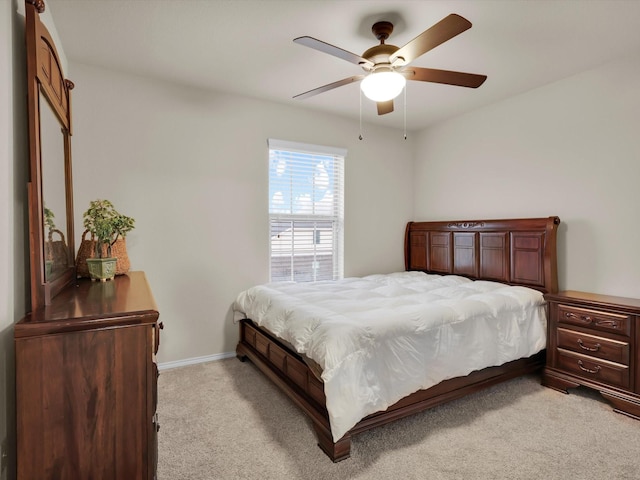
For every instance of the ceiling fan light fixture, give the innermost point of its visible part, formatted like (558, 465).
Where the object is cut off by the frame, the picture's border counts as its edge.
(383, 86)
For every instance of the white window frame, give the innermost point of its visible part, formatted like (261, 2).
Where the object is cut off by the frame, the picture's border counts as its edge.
(336, 218)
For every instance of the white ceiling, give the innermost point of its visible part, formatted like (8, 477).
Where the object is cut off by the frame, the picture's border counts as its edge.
(246, 47)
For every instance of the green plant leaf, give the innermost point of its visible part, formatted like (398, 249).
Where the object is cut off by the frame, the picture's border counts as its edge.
(106, 224)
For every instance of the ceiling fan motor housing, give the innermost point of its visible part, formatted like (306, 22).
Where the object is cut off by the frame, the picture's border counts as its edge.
(379, 55)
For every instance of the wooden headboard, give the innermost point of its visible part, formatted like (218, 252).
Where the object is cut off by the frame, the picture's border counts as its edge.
(516, 252)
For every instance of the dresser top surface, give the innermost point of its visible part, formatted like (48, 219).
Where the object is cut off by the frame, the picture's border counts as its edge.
(93, 303)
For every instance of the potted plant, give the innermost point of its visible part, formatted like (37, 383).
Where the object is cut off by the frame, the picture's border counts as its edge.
(106, 225)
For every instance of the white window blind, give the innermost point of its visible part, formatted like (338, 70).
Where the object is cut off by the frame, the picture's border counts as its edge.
(306, 211)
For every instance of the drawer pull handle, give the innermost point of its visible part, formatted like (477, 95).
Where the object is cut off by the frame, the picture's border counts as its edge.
(583, 318)
(589, 349)
(608, 323)
(156, 423)
(585, 369)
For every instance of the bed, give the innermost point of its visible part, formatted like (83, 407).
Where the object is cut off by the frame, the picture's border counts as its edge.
(474, 262)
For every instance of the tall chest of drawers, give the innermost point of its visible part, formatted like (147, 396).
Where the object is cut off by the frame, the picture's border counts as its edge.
(594, 341)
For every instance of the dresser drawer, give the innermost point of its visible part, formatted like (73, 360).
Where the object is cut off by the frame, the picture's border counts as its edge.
(599, 347)
(595, 319)
(594, 369)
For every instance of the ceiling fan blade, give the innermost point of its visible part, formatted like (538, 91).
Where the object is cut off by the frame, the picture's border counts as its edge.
(460, 79)
(444, 30)
(385, 107)
(333, 50)
(330, 86)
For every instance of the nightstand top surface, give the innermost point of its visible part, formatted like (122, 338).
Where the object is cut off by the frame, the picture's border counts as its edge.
(595, 299)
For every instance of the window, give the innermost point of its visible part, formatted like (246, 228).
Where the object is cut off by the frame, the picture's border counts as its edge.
(306, 211)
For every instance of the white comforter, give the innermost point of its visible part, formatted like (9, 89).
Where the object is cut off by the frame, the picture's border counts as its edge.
(382, 337)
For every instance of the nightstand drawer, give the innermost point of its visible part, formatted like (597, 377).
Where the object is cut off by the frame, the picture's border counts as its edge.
(595, 319)
(604, 348)
(594, 369)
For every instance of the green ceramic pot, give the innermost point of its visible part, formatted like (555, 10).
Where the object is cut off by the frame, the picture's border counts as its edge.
(102, 269)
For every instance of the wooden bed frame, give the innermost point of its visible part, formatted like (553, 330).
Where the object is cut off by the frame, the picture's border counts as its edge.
(515, 252)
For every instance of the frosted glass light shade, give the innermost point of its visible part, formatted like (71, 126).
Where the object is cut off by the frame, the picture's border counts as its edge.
(382, 86)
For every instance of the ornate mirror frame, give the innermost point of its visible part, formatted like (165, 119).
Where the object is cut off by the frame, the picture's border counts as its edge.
(47, 89)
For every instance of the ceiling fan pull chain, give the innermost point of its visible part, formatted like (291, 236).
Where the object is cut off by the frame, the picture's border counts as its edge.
(405, 112)
(360, 136)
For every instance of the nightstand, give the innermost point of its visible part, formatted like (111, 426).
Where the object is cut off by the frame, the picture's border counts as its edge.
(593, 341)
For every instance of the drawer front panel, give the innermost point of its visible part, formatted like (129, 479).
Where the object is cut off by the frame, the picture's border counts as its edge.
(595, 319)
(604, 348)
(594, 369)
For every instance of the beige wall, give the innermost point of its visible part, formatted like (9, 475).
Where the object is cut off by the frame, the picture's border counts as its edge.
(191, 167)
(171, 155)
(13, 220)
(572, 149)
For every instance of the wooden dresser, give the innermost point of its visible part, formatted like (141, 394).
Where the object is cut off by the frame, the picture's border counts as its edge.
(594, 341)
(86, 383)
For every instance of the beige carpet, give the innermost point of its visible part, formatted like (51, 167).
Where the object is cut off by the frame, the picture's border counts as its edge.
(224, 420)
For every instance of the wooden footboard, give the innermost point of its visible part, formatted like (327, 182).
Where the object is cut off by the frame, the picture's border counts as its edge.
(288, 370)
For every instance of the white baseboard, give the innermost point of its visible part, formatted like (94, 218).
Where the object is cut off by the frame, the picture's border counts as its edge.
(195, 360)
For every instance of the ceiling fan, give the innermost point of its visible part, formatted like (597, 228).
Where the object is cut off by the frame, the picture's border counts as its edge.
(387, 66)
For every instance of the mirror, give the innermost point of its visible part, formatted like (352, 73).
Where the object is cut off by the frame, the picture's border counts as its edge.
(50, 186)
(52, 163)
